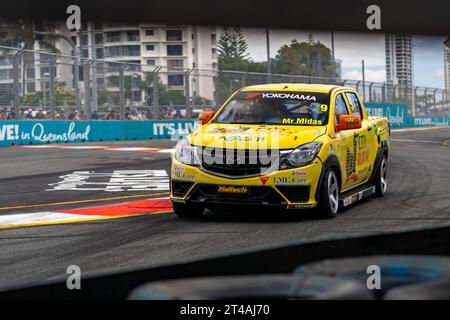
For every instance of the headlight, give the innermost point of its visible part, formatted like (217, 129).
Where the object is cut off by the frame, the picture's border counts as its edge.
(185, 153)
(301, 156)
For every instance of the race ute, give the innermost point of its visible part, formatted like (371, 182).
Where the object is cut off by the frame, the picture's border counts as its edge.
(282, 146)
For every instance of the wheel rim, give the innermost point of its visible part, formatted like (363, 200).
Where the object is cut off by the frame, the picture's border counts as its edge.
(383, 175)
(333, 192)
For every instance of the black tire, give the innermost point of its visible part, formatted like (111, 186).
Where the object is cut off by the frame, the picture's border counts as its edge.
(380, 179)
(184, 210)
(328, 206)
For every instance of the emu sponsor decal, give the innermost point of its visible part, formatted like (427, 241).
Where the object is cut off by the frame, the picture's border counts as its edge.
(297, 96)
(117, 181)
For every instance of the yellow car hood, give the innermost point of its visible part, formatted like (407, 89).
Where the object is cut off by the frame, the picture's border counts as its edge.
(243, 136)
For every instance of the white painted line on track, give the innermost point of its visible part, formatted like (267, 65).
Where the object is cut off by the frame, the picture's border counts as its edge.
(419, 129)
(36, 217)
(106, 148)
(416, 141)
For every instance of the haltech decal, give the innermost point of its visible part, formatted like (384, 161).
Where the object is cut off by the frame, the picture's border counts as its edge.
(232, 189)
(263, 179)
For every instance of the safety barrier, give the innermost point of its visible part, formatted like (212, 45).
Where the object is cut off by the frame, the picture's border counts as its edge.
(398, 116)
(42, 132)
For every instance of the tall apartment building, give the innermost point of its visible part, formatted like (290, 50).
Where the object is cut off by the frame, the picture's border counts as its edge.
(447, 68)
(399, 67)
(174, 48)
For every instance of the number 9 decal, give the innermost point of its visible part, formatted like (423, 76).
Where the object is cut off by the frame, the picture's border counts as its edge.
(324, 108)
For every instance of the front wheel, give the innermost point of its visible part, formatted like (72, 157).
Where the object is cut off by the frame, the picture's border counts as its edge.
(329, 195)
(184, 210)
(381, 177)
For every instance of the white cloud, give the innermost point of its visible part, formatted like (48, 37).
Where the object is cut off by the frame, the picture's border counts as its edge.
(424, 53)
(439, 72)
(370, 75)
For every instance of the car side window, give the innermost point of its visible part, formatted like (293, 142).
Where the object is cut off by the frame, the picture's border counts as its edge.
(355, 107)
(340, 107)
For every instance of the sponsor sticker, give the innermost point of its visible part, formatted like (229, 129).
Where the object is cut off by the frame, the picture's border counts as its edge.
(183, 176)
(299, 173)
(264, 179)
(299, 206)
(232, 189)
(288, 180)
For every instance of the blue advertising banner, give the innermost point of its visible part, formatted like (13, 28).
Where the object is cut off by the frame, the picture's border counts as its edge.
(40, 132)
(396, 113)
(428, 121)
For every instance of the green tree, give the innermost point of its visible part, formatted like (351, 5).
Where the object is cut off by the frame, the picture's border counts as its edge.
(310, 58)
(232, 43)
(63, 97)
(233, 54)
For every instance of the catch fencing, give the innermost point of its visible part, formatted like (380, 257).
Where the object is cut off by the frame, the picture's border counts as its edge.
(36, 85)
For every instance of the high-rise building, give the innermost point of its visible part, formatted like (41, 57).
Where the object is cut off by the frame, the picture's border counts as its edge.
(144, 46)
(174, 48)
(399, 66)
(447, 68)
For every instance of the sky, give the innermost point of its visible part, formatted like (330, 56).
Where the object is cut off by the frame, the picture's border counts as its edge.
(351, 48)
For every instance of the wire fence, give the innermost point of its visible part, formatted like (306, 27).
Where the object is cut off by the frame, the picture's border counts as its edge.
(43, 85)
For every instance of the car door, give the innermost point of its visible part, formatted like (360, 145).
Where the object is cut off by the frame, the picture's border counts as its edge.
(365, 139)
(346, 144)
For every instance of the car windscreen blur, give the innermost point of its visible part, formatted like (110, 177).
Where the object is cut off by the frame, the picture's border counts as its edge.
(279, 108)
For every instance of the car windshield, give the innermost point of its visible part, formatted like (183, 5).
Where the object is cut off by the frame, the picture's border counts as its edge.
(280, 108)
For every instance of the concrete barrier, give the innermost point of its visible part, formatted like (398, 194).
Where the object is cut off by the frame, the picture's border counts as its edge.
(43, 132)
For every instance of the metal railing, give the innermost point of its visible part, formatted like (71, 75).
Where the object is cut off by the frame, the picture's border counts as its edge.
(41, 85)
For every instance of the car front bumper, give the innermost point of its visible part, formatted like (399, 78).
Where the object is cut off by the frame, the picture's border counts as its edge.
(288, 189)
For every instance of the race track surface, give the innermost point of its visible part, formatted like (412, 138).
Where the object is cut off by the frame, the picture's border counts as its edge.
(419, 184)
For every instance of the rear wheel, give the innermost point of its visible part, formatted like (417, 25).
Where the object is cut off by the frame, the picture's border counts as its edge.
(381, 177)
(329, 195)
(184, 210)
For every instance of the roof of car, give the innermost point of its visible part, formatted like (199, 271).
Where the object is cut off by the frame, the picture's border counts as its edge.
(322, 88)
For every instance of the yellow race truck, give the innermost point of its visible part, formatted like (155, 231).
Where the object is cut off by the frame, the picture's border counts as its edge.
(282, 146)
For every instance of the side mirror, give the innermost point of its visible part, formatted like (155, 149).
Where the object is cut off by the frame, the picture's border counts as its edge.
(348, 122)
(205, 117)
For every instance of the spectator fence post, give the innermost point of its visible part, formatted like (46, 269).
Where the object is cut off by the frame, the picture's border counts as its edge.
(16, 84)
(156, 110)
(51, 66)
(188, 93)
(122, 91)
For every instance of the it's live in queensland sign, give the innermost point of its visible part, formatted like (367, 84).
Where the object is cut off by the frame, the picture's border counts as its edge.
(396, 113)
(40, 132)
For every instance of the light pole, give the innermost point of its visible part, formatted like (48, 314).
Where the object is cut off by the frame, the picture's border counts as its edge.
(44, 82)
(363, 80)
(269, 65)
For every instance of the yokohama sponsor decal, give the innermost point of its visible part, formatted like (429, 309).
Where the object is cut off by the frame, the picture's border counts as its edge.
(296, 96)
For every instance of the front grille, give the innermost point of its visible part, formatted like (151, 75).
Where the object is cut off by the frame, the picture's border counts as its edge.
(238, 162)
(295, 193)
(207, 193)
(179, 188)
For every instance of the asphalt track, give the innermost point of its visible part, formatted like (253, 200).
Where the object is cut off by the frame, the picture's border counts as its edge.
(419, 184)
